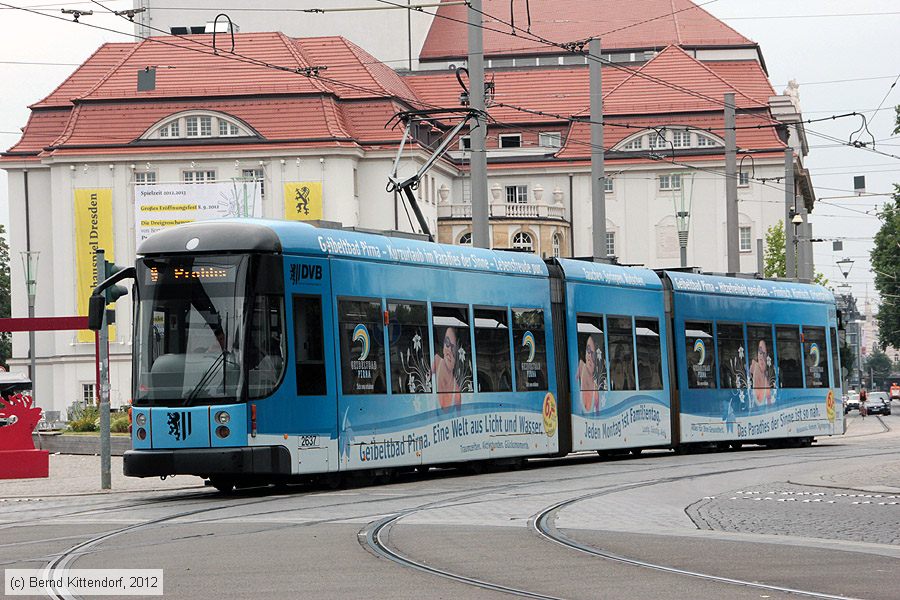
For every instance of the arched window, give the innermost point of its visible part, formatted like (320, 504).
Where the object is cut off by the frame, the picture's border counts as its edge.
(198, 124)
(557, 244)
(523, 241)
(465, 239)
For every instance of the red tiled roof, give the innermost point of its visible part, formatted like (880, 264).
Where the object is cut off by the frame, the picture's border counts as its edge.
(43, 127)
(353, 72)
(565, 91)
(674, 81)
(622, 24)
(87, 75)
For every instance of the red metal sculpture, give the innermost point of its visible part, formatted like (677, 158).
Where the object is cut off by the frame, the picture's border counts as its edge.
(18, 457)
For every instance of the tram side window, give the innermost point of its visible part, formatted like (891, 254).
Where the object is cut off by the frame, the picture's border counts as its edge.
(649, 354)
(531, 351)
(790, 374)
(452, 364)
(265, 350)
(835, 363)
(732, 366)
(591, 372)
(621, 352)
(815, 357)
(309, 341)
(492, 350)
(408, 338)
(361, 335)
(700, 354)
(762, 367)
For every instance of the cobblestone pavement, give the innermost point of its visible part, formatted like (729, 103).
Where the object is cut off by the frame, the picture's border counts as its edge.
(859, 504)
(786, 509)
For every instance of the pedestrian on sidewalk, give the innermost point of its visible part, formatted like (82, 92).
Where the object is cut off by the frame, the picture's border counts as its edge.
(862, 402)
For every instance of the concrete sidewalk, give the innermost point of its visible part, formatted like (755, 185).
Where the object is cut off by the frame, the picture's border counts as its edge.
(72, 475)
(882, 477)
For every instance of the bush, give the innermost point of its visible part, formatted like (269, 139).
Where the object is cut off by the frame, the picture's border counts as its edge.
(87, 418)
(118, 422)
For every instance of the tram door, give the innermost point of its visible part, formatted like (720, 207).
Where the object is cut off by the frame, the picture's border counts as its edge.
(314, 413)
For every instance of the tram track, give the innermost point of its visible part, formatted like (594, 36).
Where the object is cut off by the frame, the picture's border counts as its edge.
(374, 538)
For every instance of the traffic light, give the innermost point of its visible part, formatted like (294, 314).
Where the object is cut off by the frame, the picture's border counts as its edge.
(113, 292)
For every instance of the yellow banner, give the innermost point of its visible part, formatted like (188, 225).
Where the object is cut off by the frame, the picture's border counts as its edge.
(303, 200)
(93, 229)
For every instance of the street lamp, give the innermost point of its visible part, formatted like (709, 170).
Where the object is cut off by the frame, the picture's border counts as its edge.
(30, 262)
(796, 221)
(845, 264)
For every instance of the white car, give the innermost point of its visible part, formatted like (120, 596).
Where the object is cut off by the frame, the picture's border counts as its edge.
(852, 402)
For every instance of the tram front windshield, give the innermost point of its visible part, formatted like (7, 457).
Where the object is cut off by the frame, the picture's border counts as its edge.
(188, 329)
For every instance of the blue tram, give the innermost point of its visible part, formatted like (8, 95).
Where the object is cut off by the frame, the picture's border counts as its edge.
(266, 350)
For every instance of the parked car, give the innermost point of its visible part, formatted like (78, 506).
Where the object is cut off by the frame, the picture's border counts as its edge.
(878, 403)
(895, 391)
(851, 402)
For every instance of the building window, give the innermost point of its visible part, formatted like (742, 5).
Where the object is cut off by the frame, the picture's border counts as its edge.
(681, 138)
(608, 185)
(743, 179)
(511, 141)
(745, 239)
(517, 194)
(610, 243)
(635, 144)
(88, 393)
(670, 182)
(258, 176)
(703, 141)
(550, 139)
(144, 177)
(227, 129)
(198, 176)
(658, 140)
(198, 126)
(465, 143)
(465, 239)
(170, 130)
(557, 245)
(523, 241)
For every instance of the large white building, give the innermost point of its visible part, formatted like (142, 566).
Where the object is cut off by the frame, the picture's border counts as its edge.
(213, 120)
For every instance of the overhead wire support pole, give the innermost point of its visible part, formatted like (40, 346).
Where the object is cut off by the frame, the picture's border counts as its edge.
(598, 174)
(731, 206)
(481, 235)
(790, 259)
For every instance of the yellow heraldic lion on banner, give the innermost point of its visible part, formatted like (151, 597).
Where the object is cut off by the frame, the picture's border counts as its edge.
(303, 200)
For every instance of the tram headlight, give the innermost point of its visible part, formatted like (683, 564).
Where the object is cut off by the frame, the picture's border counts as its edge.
(141, 434)
(222, 417)
(141, 419)
(222, 431)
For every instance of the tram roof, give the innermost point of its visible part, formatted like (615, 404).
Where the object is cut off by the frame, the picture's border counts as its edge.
(230, 235)
(749, 288)
(606, 274)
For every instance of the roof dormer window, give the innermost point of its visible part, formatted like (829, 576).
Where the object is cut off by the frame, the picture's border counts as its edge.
(668, 138)
(196, 124)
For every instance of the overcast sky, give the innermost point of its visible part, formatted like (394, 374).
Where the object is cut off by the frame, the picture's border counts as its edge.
(823, 44)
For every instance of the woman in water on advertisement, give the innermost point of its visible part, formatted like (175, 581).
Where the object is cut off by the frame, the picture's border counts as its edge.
(759, 376)
(444, 370)
(590, 376)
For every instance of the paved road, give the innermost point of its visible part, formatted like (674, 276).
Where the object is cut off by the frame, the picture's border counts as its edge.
(705, 513)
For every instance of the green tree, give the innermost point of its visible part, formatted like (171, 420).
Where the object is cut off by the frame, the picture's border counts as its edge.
(847, 358)
(774, 254)
(5, 301)
(774, 257)
(885, 259)
(879, 365)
